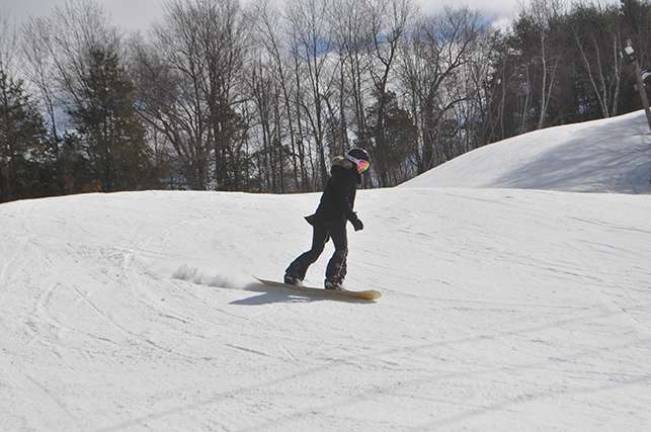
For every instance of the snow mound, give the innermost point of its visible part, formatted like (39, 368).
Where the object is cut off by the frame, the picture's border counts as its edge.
(611, 155)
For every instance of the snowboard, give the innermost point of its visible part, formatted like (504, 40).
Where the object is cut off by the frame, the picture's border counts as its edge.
(368, 295)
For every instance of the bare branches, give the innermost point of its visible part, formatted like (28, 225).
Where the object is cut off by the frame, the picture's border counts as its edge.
(311, 42)
(8, 43)
(260, 95)
(438, 64)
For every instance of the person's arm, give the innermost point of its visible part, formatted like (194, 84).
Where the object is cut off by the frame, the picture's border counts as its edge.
(344, 196)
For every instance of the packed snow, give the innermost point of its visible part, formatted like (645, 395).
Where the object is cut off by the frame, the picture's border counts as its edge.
(612, 155)
(502, 309)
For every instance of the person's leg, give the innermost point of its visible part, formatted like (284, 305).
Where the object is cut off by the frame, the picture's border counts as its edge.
(298, 268)
(336, 271)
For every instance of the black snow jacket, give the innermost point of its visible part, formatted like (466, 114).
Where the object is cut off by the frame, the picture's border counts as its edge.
(338, 198)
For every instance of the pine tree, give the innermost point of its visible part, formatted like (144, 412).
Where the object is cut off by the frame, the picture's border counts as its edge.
(399, 135)
(26, 168)
(110, 131)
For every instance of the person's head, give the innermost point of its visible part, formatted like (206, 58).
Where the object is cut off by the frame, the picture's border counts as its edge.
(360, 158)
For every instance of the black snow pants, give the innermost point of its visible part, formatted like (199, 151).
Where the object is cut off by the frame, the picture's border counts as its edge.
(336, 270)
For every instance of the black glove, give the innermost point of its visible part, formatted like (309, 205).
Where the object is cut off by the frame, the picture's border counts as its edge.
(357, 224)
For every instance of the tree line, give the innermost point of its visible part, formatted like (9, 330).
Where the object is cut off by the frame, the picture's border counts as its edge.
(222, 96)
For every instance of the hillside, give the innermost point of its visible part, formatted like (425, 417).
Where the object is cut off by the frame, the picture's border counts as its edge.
(503, 309)
(612, 155)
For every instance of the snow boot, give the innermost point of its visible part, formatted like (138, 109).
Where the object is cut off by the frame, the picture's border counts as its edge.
(332, 285)
(292, 280)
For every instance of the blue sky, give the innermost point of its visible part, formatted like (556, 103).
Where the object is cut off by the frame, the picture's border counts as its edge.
(139, 14)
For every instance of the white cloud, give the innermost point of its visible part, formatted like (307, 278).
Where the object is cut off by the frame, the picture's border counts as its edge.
(499, 9)
(140, 14)
(128, 14)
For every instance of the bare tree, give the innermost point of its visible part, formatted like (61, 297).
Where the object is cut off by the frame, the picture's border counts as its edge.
(75, 29)
(389, 21)
(269, 25)
(432, 61)
(74, 58)
(40, 67)
(190, 83)
(598, 41)
(262, 88)
(168, 83)
(480, 73)
(543, 13)
(353, 38)
(224, 37)
(8, 43)
(312, 40)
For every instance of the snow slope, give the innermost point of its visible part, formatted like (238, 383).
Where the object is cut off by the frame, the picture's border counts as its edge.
(503, 310)
(612, 155)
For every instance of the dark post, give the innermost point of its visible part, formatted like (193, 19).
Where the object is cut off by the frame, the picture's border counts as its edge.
(632, 58)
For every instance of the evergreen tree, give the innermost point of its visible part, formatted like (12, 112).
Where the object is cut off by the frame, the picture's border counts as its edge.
(112, 137)
(400, 133)
(26, 167)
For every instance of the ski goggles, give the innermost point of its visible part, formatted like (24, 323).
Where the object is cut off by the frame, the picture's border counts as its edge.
(362, 165)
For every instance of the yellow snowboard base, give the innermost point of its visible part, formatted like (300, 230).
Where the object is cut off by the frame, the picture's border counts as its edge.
(368, 295)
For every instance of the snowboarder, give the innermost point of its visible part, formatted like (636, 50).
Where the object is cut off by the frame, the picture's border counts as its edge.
(329, 221)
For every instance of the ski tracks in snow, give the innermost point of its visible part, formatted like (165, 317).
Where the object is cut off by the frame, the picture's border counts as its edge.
(485, 320)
